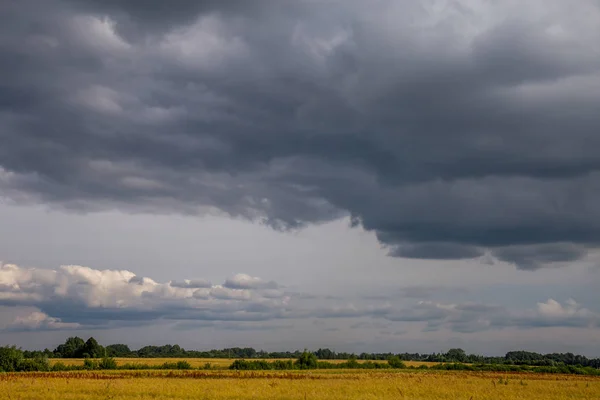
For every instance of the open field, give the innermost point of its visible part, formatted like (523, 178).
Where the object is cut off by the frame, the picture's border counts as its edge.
(121, 385)
(221, 363)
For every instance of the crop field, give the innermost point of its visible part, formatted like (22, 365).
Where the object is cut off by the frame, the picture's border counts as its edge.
(332, 384)
(218, 363)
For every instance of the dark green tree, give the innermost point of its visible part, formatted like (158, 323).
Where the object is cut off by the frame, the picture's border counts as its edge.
(10, 359)
(72, 348)
(456, 355)
(118, 350)
(92, 349)
(307, 360)
(396, 362)
(325, 354)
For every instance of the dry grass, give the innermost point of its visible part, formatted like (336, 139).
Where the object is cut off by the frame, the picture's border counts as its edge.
(122, 385)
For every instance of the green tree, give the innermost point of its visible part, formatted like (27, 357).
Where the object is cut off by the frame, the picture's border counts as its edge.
(325, 354)
(307, 360)
(396, 362)
(107, 363)
(92, 349)
(118, 350)
(72, 348)
(10, 358)
(456, 355)
(352, 362)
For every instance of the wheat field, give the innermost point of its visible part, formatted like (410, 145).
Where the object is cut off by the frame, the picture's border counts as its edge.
(438, 385)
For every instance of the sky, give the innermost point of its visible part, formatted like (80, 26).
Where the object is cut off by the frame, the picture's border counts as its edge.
(381, 176)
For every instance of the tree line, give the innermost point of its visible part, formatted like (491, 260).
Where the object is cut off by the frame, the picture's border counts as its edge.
(76, 347)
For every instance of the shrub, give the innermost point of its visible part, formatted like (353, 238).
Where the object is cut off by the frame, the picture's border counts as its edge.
(372, 365)
(396, 362)
(90, 364)
(239, 365)
(183, 365)
(60, 366)
(34, 364)
(176, 365)
(306, 360)
(107, 363)
(352, 363)
(10, 358)
(283, 364)
(326, 365)
(255, 365)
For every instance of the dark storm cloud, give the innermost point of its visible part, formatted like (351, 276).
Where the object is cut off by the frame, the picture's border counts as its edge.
(536, 256)
(449, 133)
(440, 251)
(157, 13)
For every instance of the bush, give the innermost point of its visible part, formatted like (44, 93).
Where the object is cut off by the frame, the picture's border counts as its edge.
(239, 365)
(177, 365)
(90, 364)
(183, 365)
(283, 364)
(351, 363)
(396, 362)
(60, 366)
(34, 364)
(254, 365)
(306, 360)
(107, 363)
(373, 365)
(10, 358)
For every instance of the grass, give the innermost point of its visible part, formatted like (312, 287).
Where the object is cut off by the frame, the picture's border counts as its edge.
(336, 384)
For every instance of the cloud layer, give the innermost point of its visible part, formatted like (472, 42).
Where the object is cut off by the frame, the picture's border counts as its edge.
(77, 297)
(451, 129)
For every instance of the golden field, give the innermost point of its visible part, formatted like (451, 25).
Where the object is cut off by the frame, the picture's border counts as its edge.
(219, 363)
(332, 384)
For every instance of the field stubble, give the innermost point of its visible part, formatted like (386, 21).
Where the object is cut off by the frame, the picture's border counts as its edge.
(334, 384)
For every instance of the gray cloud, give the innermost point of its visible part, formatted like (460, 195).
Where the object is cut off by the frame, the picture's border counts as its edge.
(243, 281)
(38, 321)
(75, 296)
(370, 324)
(191, 284)
(536, 256)
(475, 317)
(440, 251)
(416, 292)
(232, 326)
(443, 131)
(471, 317)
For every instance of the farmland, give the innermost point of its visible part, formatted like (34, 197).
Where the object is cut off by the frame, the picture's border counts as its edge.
(32, 375)
(332, 384)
